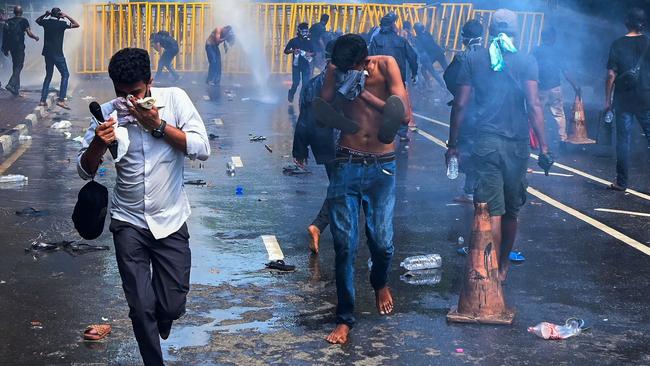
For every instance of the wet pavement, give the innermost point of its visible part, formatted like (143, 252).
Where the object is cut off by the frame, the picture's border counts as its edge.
(240, 313)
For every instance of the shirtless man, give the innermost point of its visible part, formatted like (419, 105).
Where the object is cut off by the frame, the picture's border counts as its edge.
(363, 173)
(218, 36)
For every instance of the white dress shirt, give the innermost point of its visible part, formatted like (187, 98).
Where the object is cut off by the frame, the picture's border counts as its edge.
(149, 190)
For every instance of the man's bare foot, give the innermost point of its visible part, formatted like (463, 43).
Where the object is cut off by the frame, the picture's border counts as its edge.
(314, 232)
(339, 335)
(384, 301)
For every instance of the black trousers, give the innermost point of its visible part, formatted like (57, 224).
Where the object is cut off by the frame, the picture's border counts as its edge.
(155, 278)
(322, 220)
(297, 73)
(17, 60)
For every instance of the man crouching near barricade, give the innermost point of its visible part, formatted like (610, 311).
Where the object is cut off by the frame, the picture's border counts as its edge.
(149, 205)
(371, 94)
(504, 83)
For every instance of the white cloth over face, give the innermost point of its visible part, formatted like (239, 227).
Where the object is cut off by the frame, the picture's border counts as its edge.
(149, 190)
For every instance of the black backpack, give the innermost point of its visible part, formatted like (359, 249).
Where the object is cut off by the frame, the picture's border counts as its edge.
(12, 32)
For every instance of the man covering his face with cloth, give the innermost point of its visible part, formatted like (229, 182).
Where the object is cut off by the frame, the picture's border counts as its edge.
(149, 204)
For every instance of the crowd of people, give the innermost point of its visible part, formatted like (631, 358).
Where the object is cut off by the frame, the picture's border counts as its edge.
(353, 110)
(350, 116)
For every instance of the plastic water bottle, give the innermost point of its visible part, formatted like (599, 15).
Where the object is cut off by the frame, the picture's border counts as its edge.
(545, 330)
(429, 261)
(609, 116)
(422, 277)
(13, 178)
(452, 168)
(230, 169)
(461, 241)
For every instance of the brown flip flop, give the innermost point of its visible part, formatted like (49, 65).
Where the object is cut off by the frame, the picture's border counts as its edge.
(393, 117)
(96, 332)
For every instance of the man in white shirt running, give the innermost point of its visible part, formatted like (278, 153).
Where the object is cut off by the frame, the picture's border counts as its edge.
(149, 204)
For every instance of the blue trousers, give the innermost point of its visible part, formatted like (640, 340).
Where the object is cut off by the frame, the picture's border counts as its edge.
(214, 60)
(354, 186)
(624, 126)
(59, 62)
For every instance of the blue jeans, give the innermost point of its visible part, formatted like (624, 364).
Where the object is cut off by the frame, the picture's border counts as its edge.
(624, 125)
(59, 62)
(214, 60)
(353, 186)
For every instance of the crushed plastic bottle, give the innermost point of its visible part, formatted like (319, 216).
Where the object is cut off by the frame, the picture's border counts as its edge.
(422, 277)
(13, 178)
(429, 261)
(452, 168)
(461, 241)
(230, 169)
(545, 330)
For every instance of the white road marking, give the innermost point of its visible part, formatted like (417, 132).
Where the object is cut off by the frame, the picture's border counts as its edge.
(13, 157)
(273, 248)
(551, 173)
(237, 162)
(558, 165)
(431, 120)
(643, 214)
(571, 211)
(593, 222)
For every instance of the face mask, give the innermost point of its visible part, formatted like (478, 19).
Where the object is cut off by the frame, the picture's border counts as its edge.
(304, 33)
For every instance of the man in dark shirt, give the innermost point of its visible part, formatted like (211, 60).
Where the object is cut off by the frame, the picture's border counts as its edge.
(506, 97)
(167, 46)
(13, 42)
(388, 43)
(472, 38)
(303, 52)
(54, 24)
(551, 69)
(430, 53)
(631, 98)
(308, 135)
(318, 42)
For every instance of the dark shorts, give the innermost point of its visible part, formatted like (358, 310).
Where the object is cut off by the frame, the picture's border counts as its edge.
(500, 164)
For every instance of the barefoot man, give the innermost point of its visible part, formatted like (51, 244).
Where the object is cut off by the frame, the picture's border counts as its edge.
(363, 173)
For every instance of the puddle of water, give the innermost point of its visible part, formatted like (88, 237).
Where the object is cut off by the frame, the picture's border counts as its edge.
(193, 336)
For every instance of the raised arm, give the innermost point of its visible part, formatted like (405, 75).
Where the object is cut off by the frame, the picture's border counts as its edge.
(396, 86)
(328, 93)
(39, 20)
(73, 23)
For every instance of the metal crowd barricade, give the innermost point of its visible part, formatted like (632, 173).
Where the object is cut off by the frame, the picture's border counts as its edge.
(112, 26)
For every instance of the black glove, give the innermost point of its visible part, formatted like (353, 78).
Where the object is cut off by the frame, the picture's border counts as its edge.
(546, 162)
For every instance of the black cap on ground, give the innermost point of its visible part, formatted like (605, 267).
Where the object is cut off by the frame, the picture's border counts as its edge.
(90, 211)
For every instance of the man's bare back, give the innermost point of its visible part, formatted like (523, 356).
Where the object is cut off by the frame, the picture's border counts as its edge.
(384, 79)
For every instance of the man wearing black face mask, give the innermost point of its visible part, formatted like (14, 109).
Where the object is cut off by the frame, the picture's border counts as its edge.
(303, 51)
(54, 24)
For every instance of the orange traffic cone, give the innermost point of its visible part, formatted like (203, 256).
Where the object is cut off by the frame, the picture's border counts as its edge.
(579, 135)
(481, 298)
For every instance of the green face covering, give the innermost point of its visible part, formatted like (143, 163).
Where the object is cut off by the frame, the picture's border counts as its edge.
(499, 44)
